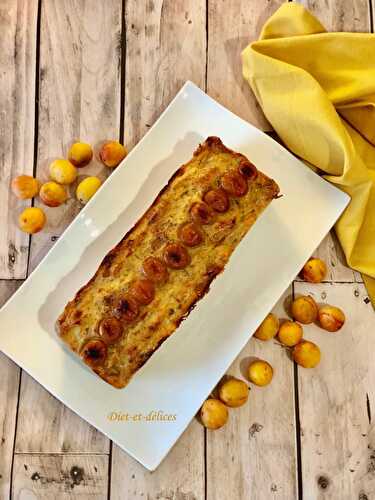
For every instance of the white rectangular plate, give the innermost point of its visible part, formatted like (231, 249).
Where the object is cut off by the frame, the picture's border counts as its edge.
(180, 375)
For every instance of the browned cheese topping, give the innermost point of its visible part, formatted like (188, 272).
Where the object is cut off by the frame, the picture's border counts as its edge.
(151, 280)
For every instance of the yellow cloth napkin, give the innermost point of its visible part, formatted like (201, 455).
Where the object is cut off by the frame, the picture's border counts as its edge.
(317, 89)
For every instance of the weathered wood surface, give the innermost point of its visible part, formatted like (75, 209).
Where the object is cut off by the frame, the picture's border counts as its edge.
(240, 455)
(336, 436)
(337, 400)
(79, 94)
(341, 15)
(180, 476)
(9, 385)
(47, 426)
(79, 98)
(165, 46)
(337, 271)
(60, 477)
(254, 456)
(18, 19)
(232, 25)
(84, 54)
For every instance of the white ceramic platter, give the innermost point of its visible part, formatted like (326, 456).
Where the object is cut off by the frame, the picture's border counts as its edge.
(180, 375)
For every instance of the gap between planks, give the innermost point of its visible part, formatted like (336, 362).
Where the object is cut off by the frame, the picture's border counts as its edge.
(337, 15)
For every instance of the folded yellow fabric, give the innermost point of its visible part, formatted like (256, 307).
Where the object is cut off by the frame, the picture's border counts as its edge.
(317, 89)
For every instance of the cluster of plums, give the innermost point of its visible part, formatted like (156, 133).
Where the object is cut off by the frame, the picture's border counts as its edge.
(304, 310)
(63, 173)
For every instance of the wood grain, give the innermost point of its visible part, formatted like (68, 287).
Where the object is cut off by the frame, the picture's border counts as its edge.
(240, 456)
(232, 25)
(165, 46)
(180, 476)
(18, 19)
(47, 426)
(341, 15)
(337, 400)
(9, 384)
(79, 98)
(336, 457)
(60, 477)
(253, 456)
(331, 253)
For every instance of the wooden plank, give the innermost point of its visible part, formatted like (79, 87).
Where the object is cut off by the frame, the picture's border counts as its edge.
(47, 426)
(337, 400)
(341, 15)
(180, 476)
(253, 456)
(9, 384)
(17, 96)
(79, 94)
(232, 25)
(165, 46)
(331, 253)
(7, 289)
(334, 399)
(241, 456)
(80, 66)
(60, 477)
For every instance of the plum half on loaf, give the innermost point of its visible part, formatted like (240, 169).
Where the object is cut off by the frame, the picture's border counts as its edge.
(151, 280)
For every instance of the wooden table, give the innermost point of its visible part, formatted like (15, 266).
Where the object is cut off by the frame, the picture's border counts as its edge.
(93, 70)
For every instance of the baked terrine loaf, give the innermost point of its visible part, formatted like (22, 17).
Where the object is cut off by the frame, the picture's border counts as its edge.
(151, 280)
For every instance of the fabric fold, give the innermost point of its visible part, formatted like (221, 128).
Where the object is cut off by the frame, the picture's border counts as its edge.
(317, 89)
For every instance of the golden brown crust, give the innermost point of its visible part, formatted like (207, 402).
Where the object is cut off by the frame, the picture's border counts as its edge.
(159, 227)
